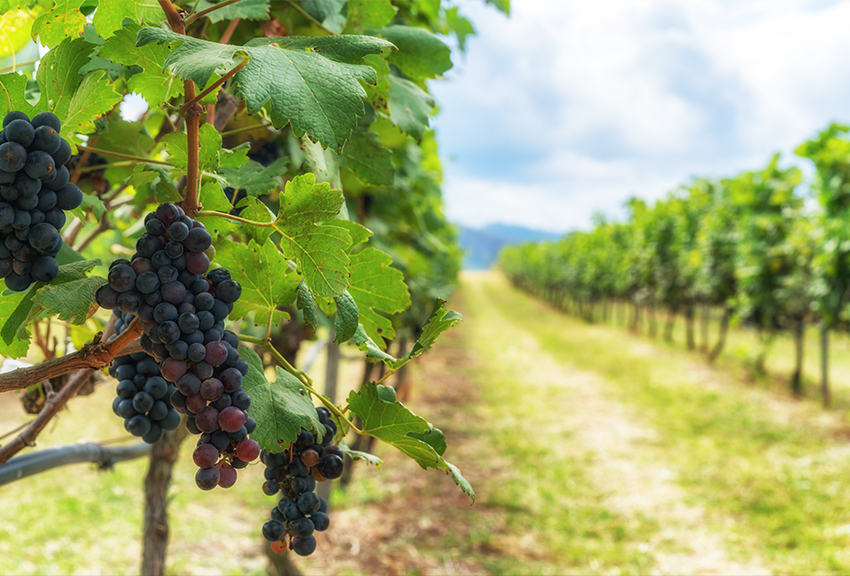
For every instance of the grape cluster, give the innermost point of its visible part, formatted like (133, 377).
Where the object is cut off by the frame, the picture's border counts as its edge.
(143, 397)
(34, 193)
(182, 309)
(294, 472)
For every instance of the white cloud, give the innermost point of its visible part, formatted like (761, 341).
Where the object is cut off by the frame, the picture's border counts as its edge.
(569, 107)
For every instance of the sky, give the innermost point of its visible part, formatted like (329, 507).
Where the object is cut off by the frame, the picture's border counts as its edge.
(567, 108)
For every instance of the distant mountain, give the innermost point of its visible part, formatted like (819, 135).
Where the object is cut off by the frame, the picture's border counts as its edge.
(482, 245)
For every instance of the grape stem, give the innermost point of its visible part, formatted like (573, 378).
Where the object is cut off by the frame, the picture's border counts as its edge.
(302, 376)
(94, 356)
(193, 120)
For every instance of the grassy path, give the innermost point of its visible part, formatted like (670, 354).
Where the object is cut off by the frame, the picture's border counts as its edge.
(684, 470)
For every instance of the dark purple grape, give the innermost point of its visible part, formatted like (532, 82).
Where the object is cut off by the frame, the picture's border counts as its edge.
(302, 527)
(178, 232)
(129, 302)
(46, 139)
(157, 387)
(122, 278)
(47, 119)
(205, 456)
(106, 297)
(196, 262)
(228, 291)
(138, 425)
(273, 530)
(62, 155)
(207, 478)
(148, 245)
(14, 115)
(178, 349)
(40, 164)
(13, 157)
(173, 292)
(46, 239)
(207, 419)
(198, 240)
(320, 520)
(69, 197)
(211, 389)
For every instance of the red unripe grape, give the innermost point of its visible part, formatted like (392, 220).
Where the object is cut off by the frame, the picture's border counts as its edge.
(207, 420)
(195, 403)
(248, 450)
(205, 456)
(216, 353)
(211, 389)
(231, 419)
(309, 458)
(173, 370)
(278, 547)
(227, 476)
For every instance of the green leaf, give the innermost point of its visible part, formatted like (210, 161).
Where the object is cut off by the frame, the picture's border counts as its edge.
(366, 14)
(358, 455)
(254, 178)
(345, 320)
(358, 232)
(376, 286)
(131, 138)
(395, 424)
(153, 181)
(210, 140)
(327, 12)
(420, 55)
(410, 106)
(372, 350)
(94, 97)
(365, 156)
(62, 21)
(15, 326)
(320, 249)
(321, 162)
(281, 408)
(77, 100)
(72, 301)
(244, 9)
(110, 15)
(211, 197)
(439, 321)
(255, 210)
(13, 87)
(305, 303)
(310, 83)
(152, 82)
(267, 283)
(14, 346)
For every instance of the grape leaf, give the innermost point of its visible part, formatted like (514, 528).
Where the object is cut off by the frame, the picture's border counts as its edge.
(327, 12)
(152, 181)
(211, 197)
(13, 87)
(152, 82)
(409, 106)
(311, 83)
(305, 303)
(375, 285)
(372, 350)
(210, 140)
(15, 347)
(358, 455)
(395, 424)
(254, 178)
(72, 301)
(94, 97)
(365, 156)
(420, 55)
(365, 14)
(15, 326)
(244, 9)
(62, 21)
(281, 408)
(320, 249)
(358, 232)
(110, 15)
(439, 321)
(267, 283)
(345, 319)
(255, 210)
(77, 100)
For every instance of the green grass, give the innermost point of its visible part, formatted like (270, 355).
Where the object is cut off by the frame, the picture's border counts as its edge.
(777, 471)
